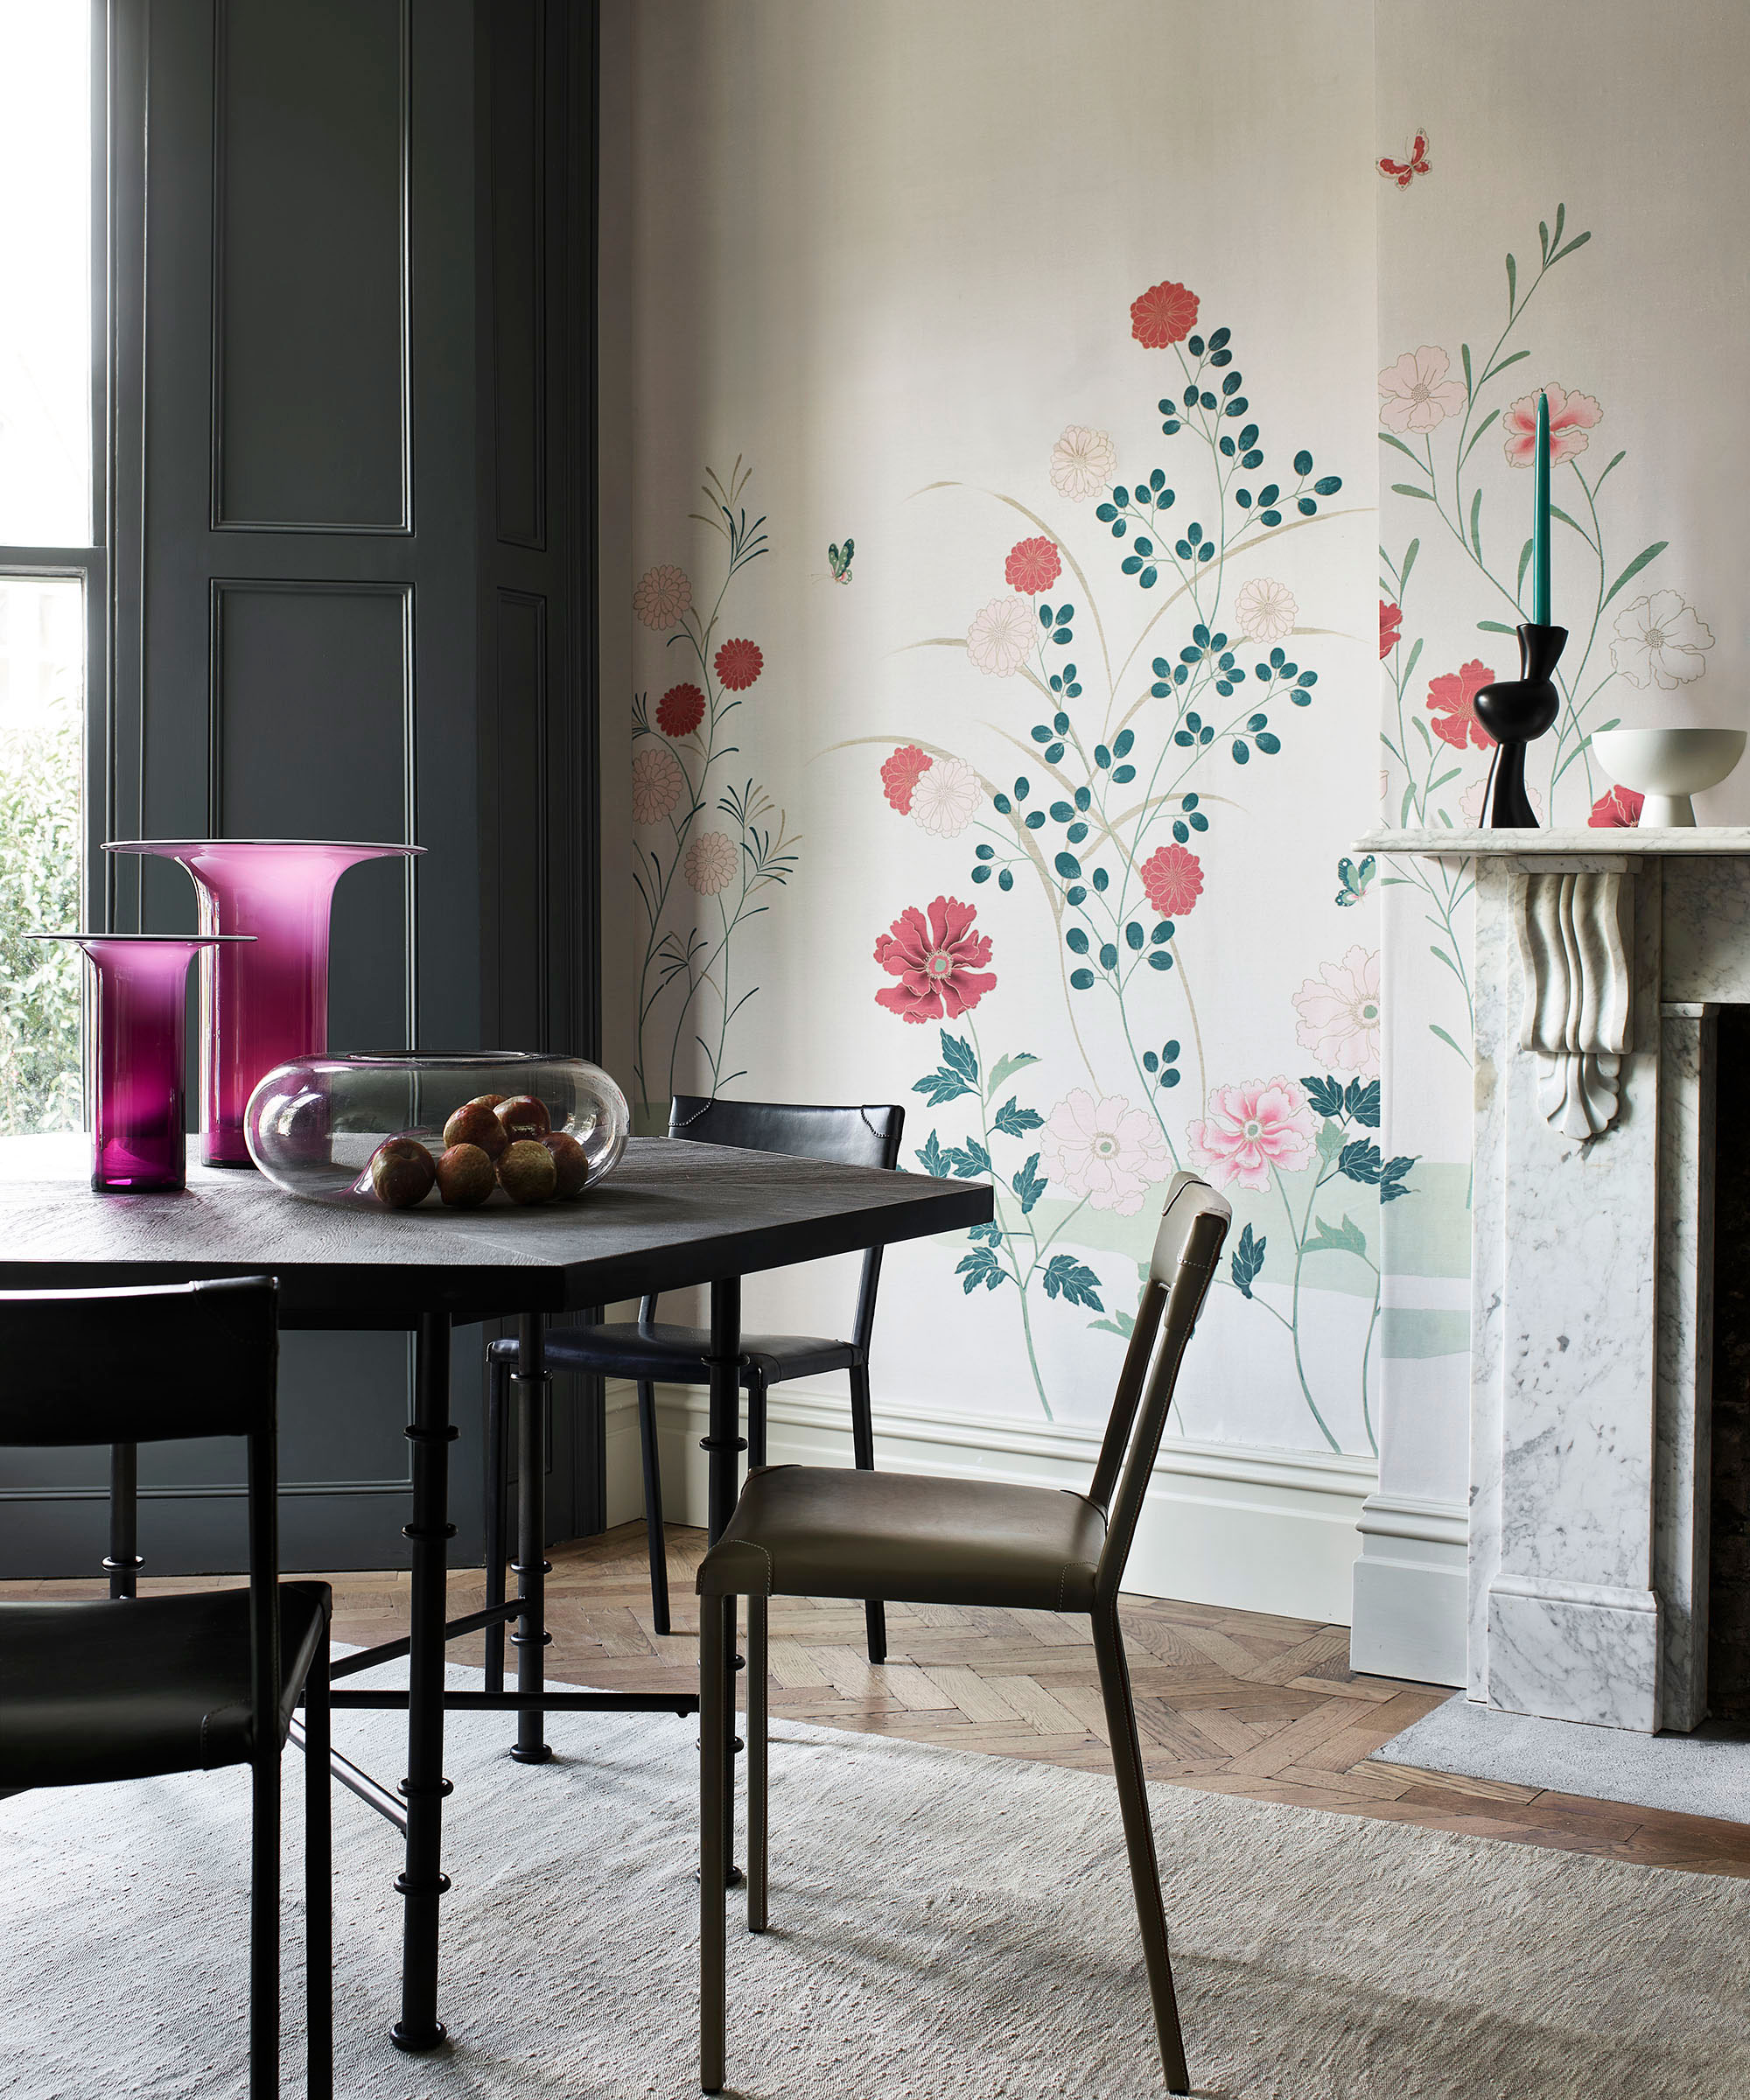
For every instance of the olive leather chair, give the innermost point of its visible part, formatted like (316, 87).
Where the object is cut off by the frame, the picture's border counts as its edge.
(810, 1531)
(91, 1693)
(654, 1351)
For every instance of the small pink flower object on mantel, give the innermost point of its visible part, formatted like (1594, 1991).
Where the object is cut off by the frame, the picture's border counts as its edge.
(1571, 417)
(939, 961)
(1619, 811)
(1251, 1129)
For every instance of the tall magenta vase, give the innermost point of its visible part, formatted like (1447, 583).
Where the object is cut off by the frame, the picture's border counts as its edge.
(139, 1109)
(262, 1005)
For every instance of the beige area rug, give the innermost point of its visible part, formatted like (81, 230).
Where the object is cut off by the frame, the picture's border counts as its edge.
(946, 1925)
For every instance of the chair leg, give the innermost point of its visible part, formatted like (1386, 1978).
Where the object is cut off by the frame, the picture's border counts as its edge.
(862, 1449)
(653, 1505)
(715, 1620)
(1127, 1761)
(264, 1926)
(756, 1421)
(319, 1880)
(497, 1423)
(757, 1779)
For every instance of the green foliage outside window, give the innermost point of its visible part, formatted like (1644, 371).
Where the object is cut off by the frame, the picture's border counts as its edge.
(39, 856)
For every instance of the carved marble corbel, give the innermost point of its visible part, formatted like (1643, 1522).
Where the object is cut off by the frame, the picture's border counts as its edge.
(1576, 942)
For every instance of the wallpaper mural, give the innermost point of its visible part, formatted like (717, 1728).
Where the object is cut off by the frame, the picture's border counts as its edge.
(708, 841)
(1147, 653)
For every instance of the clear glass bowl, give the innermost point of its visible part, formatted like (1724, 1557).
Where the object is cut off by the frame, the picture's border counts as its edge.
(314, 1125)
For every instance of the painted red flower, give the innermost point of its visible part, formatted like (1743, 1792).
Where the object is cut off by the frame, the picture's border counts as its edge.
(901, 773)
(1452, 701)
(1174, 880)
(680, 710)
(1619, 810)
(937, 959)
(1390, 620)
(1032, 566)
(1165, 313)
(738, 663)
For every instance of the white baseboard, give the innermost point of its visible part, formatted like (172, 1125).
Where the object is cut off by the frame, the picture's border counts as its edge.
(1260, 1530)
(1410, 1613)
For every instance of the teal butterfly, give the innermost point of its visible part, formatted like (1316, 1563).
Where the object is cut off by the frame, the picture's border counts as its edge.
(1354, 879)
(840, 558)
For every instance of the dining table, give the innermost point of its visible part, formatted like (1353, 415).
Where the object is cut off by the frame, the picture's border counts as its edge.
(673, 1214)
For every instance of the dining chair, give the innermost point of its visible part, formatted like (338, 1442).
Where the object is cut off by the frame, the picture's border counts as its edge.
(94, 1692)
(650, 1352)
(813, 1531)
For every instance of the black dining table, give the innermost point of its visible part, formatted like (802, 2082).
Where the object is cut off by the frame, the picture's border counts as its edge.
(673, 1214)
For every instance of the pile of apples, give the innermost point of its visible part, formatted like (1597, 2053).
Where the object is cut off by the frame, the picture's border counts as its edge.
(491, 1141)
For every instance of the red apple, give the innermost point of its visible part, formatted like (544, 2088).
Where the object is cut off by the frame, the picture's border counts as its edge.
(474, 1123)
(466, 1176)
(523, 1117)
(402, 1172)
(527, 1172)
(571, 1162)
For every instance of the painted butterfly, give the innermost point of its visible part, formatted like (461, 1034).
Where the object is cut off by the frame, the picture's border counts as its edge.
(841, 558)
(1354, 879)
(1414, 162)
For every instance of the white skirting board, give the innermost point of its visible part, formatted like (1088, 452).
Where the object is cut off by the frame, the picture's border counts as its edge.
(1410, 1610)
(1263, 1531)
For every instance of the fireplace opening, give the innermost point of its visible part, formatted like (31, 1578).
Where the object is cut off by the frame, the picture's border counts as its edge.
(1728, 1638)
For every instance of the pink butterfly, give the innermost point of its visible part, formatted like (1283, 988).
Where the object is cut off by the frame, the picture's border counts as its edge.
(1415, 163)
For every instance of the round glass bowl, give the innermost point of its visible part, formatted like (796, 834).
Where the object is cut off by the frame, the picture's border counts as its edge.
(314, 1125)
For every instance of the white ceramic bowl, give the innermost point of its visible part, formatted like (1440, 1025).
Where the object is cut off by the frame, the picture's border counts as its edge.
(1667, 765)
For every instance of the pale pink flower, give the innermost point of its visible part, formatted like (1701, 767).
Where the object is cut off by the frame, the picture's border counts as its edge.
(1251, 1128)
(944, 797)
(1415, 393)
(1001, 637)
(1661, 642)
(1266, 610)
(662, 595)
(1082, 463)
(657, 783)
(1572, 416)
(1105, 1151)
(1473, 803)
(711, 862)
(1339, 1011)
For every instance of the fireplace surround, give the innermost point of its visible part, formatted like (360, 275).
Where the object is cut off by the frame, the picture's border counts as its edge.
(1603, 963)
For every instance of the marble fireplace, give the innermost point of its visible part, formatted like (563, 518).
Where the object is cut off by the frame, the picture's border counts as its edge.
(1603, 960)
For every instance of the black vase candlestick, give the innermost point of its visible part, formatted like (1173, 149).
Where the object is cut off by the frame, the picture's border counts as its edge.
(1514, 711)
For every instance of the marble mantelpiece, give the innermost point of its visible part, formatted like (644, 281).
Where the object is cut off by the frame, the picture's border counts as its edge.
(1601, 959)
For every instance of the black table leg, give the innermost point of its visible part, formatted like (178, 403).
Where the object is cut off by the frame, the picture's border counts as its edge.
(123, 1563)
(529, 1637)
(423, 1882)
(723, 1444)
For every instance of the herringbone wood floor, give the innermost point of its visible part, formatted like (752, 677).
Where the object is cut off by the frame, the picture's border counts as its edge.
(1231, 1701)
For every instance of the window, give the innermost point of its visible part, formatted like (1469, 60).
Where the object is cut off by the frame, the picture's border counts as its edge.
(49, 565)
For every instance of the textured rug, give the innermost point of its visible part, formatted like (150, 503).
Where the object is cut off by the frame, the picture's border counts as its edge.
(1706, 1774)
(947, 1925)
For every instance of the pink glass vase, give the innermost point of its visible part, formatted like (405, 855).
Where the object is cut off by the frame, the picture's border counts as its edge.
(138, 1052)
(266, 1004)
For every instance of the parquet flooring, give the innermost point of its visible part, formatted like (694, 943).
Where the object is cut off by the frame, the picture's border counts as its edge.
(1234, 1702)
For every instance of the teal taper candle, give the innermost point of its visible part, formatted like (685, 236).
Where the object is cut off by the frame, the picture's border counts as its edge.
(1540, 518)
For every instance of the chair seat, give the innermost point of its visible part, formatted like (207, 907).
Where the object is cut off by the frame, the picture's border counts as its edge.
(677, 1355)
(827, 1531)
(92, 1692)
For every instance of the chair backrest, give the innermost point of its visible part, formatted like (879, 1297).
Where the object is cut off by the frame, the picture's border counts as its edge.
(1188, 1248)
(868, 1135)
(139, 1366)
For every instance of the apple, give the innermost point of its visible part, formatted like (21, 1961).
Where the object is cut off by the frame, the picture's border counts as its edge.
(527, 1172)
(523, 1117)
(402, 1172)
(474, 1123)
(571, 1162)
(466, 1176)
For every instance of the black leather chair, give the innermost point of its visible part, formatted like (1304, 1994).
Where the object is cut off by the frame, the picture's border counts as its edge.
(94, 1692)
(815, 1531)
(653, 1352)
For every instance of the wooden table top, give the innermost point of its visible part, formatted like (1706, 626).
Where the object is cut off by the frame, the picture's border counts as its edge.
(673, 1213)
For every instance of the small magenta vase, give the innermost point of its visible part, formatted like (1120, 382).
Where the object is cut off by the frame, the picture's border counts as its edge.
(139, 1109)
(267, 1003)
